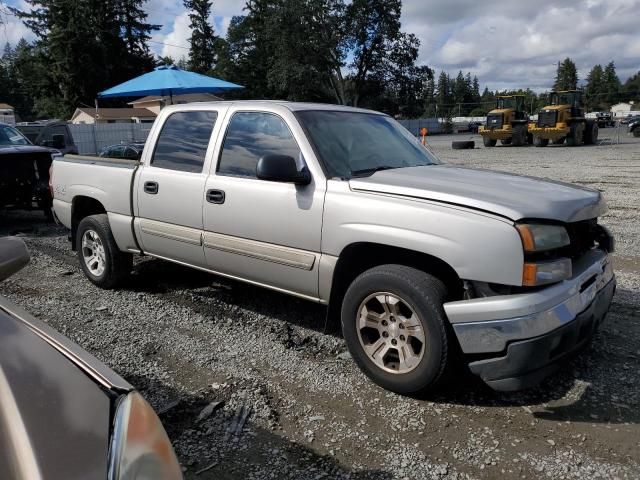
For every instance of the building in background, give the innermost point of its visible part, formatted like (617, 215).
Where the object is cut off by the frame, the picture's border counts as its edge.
(155, 103)
(7, 115)
(621, 109)
(112, 115)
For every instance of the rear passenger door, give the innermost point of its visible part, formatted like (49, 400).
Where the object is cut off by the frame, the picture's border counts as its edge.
(263, 231)
(170, 186)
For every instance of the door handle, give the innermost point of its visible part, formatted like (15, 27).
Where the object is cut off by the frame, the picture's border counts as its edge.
(151, 188)
(215, 196)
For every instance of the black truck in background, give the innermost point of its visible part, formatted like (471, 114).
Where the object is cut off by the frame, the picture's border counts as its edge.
(24, 171)
(49, 133)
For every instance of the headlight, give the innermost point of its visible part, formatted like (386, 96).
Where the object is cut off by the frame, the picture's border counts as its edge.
(140, 448)
(538, 238)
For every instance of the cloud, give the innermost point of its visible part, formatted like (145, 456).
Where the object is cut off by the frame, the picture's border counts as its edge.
(518, 44)
(174, 44)
(11, 28)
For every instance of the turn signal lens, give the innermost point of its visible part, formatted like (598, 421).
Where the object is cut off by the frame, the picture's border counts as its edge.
(140, 448)
(543, 273)
(538, 238)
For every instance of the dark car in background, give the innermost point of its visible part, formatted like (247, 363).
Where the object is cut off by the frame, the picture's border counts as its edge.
(131, 151)
(50, 133)
(64, 414)
(634, 126)
(24, 171)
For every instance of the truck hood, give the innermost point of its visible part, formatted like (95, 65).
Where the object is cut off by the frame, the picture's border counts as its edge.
(512, 196)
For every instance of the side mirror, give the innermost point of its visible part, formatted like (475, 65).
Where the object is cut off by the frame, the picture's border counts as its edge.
(58, 141)
(13, 256)
(281, 168)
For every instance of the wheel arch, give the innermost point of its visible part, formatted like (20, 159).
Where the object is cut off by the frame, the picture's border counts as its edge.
(358, 257)
(83, 206)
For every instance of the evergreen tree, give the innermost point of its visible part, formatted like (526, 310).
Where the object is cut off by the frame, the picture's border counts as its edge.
(83, 47)
(566, 75)
(611, 83)
(443, 94)
(203, 42)
(595, 88)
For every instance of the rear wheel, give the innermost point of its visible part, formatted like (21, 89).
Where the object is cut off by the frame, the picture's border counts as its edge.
(394, 326)
(489, 142)
(100, 258)
(540, 142)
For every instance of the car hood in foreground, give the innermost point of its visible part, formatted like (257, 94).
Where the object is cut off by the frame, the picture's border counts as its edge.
(13, 149)
(513, 196)
(55, 401)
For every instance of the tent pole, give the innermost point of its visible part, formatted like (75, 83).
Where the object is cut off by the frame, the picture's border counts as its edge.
(170, 97)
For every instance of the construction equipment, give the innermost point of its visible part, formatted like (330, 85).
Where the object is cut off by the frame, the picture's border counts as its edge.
(564, 120)
(508, 122)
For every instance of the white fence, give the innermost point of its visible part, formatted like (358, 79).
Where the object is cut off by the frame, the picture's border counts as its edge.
(90, 139)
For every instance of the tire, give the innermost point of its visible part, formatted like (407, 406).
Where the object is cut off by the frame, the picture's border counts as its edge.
(489, 142)
(559, 141)
(591, 134)
(529, 138)
(636, 132)
(418, 293)
(540, 142)
(463, 145)
(573, 138)
(519, 136)
(100, 258)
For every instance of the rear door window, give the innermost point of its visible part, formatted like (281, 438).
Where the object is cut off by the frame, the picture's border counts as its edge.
(183, 141)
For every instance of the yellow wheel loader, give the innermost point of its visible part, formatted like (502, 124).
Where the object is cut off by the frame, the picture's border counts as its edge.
(508, 122)
(564, 121)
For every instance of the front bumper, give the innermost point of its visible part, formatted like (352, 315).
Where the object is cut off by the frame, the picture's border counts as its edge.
(549, 133)
(521, 337)
(503, 133)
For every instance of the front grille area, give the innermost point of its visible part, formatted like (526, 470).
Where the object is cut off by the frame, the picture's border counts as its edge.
(583, 236)
(547, 118)
(494, 120)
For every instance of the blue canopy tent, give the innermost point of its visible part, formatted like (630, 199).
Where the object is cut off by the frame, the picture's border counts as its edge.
(167, 81)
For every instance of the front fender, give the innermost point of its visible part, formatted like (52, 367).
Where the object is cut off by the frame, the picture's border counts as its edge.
(477, 245)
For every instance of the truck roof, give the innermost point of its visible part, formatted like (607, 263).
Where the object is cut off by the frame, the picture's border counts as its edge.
(293, 106)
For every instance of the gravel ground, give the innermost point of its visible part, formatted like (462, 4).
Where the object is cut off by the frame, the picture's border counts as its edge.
(293, 404)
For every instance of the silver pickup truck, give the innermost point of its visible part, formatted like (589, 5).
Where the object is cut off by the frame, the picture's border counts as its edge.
(422, 261)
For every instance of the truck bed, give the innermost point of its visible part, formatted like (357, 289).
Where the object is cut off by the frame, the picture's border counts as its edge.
(107, 180)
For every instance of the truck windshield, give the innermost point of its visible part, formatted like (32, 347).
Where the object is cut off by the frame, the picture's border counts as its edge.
(11, 136)
(352, 144)
(506, 102)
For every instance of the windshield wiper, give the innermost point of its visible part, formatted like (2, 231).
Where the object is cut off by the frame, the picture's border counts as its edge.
(367, 172)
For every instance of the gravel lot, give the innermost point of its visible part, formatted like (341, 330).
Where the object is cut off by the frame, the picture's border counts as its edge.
(187, 339)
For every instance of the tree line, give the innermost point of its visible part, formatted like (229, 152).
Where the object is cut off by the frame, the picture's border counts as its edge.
(350, 52)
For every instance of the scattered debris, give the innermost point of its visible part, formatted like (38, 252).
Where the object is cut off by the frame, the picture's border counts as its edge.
(208, 410)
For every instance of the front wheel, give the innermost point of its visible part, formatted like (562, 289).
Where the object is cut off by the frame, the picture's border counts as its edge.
(540, 142)
(489, 142)
(100, 258)
(394, 326)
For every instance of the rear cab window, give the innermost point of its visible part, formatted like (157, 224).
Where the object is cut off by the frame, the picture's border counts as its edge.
(183, 141)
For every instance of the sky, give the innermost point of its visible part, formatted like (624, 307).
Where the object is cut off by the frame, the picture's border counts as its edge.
(506, 43)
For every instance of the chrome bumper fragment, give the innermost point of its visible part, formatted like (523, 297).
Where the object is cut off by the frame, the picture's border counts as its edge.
(487, 325)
